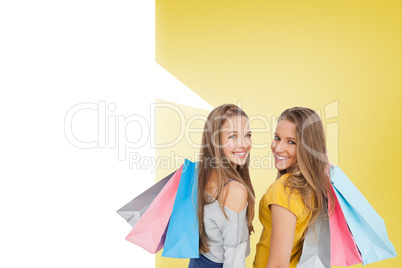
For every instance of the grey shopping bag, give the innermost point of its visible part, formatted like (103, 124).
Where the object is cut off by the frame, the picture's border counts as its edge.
(134, 209)
(317, 246)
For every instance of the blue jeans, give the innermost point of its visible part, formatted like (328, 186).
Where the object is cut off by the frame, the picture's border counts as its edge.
(203, 262)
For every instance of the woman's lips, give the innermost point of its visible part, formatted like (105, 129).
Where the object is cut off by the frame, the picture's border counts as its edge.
(281, 158)
(240, 154)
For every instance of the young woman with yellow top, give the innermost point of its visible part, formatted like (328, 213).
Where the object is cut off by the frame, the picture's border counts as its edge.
(300, 193)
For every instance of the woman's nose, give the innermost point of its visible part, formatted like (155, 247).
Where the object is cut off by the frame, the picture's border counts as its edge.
(243, 143)
(279, 147)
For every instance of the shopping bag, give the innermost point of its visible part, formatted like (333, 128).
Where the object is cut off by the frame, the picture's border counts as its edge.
(149, 231)
(316, 251)
(182, 238)
(134, 209)
(367, 227)
(344, 251)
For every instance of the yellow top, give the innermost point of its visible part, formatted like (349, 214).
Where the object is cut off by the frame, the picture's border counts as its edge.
(278, 194)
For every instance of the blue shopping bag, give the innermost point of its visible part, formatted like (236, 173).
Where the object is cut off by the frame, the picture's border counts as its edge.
(367, 227)
(182, 238)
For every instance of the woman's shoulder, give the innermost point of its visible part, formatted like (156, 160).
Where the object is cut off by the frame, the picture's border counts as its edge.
(279, 184)
(280, 188)
(236, 196)
(280, 194)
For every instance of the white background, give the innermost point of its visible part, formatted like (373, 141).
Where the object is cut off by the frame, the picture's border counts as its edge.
(59, 201)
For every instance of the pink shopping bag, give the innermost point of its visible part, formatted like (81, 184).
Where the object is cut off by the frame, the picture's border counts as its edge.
(150, 230)
(344, 251)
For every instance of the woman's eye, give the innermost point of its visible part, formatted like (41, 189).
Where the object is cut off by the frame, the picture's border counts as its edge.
(292, 142)
(232, 137)
(276, 138)
(248, 135)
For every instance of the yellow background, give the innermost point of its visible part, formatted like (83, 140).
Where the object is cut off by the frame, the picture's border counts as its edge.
(267, 56)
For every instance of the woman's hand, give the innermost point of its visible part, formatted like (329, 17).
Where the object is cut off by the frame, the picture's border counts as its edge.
(282, 236)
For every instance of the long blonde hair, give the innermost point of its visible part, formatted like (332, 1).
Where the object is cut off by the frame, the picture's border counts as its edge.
(211, 154)
(309, 176)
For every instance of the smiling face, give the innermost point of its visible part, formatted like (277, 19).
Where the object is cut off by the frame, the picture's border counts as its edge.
(235, 136)
(284, 145)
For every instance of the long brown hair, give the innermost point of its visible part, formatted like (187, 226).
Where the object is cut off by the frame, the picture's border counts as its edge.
(213, 159)
(309, 176)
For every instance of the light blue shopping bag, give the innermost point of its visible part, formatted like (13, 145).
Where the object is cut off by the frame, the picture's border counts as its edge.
(367, 227)
(182, 238)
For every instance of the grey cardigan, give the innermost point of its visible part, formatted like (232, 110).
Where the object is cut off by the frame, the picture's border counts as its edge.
(229, 240)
